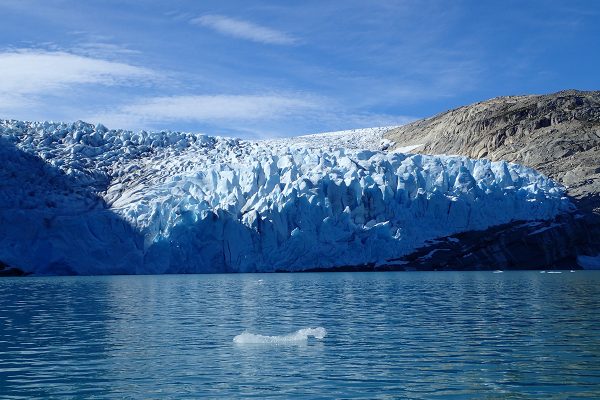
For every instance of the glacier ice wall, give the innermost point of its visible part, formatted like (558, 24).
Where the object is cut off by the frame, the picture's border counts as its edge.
(78, 198)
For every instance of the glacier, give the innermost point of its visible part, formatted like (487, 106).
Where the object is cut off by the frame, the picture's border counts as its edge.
(77, 198)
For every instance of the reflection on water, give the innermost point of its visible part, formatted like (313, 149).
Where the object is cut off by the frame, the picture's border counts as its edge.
(418, 335)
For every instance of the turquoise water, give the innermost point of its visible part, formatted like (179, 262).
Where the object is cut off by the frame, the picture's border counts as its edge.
(389, 335)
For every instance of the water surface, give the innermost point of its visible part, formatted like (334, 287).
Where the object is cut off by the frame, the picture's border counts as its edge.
(416, 335)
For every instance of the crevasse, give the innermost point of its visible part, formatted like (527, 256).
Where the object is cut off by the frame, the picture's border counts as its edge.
(79, 198)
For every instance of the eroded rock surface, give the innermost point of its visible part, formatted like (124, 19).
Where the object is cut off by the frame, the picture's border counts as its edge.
(557, 134)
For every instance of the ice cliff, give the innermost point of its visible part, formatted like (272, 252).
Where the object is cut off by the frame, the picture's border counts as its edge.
(79, 198)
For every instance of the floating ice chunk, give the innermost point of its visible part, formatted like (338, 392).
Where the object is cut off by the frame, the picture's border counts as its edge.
(300, 335)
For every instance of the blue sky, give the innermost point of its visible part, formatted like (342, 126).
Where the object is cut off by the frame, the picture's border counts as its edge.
(277, 68)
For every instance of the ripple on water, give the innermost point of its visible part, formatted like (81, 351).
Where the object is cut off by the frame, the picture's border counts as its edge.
(401, 335)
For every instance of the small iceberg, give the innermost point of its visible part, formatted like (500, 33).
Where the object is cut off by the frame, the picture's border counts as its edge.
(299, 336)
(555, 272)
(498, 271)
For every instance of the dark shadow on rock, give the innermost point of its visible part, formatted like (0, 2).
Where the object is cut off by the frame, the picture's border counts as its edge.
(588, 205)
(519, 245)
(6, 270)
(554, 244)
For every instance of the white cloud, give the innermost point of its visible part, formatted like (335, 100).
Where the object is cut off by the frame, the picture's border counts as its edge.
(104, 50)
(39, 83)
(257, 116)
(206, 109)
(33, 72)
(50, 84)
(244, 29)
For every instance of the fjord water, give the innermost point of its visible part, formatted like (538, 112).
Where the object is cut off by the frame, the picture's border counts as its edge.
(416, 335)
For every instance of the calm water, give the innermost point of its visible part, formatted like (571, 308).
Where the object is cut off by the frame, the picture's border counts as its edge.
(389, 335)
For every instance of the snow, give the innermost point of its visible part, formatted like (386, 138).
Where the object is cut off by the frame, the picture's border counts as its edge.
(407, 149)
(79, 198)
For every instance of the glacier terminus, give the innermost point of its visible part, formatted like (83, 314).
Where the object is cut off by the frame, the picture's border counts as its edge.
(78, 198)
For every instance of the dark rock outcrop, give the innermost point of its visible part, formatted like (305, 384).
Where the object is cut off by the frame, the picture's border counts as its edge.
(557, 134)
(521, 245)
(6, 270)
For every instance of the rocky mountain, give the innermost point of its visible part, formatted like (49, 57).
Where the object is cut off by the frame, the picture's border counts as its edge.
(557, 134)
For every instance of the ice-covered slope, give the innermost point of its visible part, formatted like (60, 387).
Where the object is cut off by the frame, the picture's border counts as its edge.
(78, 198)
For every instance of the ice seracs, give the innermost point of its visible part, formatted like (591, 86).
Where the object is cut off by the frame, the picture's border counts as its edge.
(78, 198)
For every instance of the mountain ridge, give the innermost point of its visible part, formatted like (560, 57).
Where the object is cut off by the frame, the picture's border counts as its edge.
(557, 134)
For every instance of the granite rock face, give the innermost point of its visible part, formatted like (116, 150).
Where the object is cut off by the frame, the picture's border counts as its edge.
(557, 134)
(6, 270)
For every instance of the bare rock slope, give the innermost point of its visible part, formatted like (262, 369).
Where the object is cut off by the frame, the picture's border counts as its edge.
(557, 134)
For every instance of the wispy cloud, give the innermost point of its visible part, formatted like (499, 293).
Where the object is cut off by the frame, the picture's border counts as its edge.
(28, 74)
(256, 115)
(32, 71)
(206, 109)
(244, 29)
(100, 46)
(35, 82)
